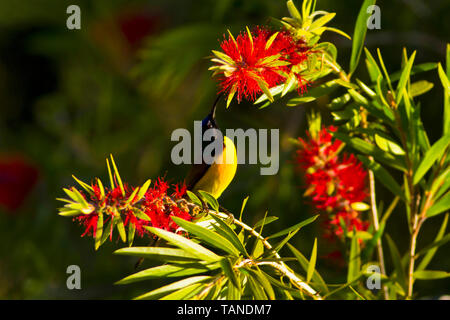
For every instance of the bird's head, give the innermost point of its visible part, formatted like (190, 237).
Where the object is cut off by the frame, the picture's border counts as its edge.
(209, 121)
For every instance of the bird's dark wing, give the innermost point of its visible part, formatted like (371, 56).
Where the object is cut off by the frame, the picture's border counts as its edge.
(196, 172)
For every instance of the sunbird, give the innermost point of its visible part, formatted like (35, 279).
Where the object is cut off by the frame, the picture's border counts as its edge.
(213, 178)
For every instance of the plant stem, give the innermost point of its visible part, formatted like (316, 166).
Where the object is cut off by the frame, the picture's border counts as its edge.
(376, 227)
(412, 252)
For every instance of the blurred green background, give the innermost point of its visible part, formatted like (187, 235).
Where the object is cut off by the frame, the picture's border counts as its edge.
(136, 71)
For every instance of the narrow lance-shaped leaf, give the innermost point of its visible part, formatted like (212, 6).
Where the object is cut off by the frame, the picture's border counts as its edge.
(210, 199)
(312, 262)
(430, 274)
(157, 293)
(316, 278)
(166, 270)
(442, 205)
(404, 78)
(158, 253)
(294, 227)
(185, 244)
(431, 251)
(228, 233)
(99, 231)
(359, 34)
(433, 154)
(354, 263)
(207, 236)
(184, 293)
(395, 255)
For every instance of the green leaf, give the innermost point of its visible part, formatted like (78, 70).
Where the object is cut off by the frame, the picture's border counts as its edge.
(404, 78)
(316, 278)
(369, 149)
(167, 270)
(420, 87)
(264, 87)
(107, 231)
(160, 292)
(158, 253)
(430, 251)
(256, 287)
(322, 21)
(294, 227)
(231, 94)
(383, 176)
(228, 233)
(359, 34)
(193, 198)
(444, 80)
(397, 261)
(366, 89)
(117, 175)
(281, 244)
(209, 198)
(207, 236)
(99, 231)
(120, 227)
(227, 268)
(388, 145)
(258, 249)
(143, 189)
(84, 185)
(244, 203)
(186, 244)
(354, 263)
(442, 205)
(265, 283)
(419, 68)
(372, 66)
(312, 262)
(430, 275)
(131, 234)
(359, 98)
(65, 212)
(184, 293)
(265, 221)
(293, 11)
(433, 154)
(111, 180)
(314, 93)
(435, 244)
(233, 293)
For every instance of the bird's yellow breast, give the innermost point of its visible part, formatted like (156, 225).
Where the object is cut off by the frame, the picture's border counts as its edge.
(219, 175)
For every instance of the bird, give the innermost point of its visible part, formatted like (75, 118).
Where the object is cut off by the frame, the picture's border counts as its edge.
(216, 177)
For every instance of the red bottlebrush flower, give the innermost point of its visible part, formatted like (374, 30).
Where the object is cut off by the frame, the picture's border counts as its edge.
(160, 208)
(155, 208)
(90, 223)
(257, 61)
(335, 183)
(180, 191)
(17, 179)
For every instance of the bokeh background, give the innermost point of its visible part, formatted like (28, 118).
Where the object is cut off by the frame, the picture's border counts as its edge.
(136, 71)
